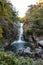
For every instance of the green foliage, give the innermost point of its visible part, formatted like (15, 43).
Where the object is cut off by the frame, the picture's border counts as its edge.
(2, 41)
(35, 17)
(8, 16)
(9, 59)
(1, 31)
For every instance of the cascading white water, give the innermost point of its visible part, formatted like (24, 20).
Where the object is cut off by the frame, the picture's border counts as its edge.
(20, 31)
(20, 43)
(20, 34)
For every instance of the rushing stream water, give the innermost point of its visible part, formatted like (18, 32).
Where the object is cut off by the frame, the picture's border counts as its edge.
(20, 43)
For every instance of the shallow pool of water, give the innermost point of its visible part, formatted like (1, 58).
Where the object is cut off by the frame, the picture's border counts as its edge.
(16, 45)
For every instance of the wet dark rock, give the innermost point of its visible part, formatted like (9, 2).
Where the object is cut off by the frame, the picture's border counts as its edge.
(27, 37)
(20, 52)
(24, 52)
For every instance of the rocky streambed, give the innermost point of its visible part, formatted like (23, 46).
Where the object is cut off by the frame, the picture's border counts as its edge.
(37, 52)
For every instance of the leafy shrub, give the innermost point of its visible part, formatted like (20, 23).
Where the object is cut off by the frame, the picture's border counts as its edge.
(9, 59)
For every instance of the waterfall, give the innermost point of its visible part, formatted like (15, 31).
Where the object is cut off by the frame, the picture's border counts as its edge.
(20, 43)
(21, 32)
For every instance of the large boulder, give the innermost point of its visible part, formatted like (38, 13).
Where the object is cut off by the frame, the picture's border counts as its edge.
(27, 51)
(40, 43)
(38, 52)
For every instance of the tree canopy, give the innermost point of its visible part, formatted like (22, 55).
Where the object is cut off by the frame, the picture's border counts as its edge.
(8, 16)
(35, 17)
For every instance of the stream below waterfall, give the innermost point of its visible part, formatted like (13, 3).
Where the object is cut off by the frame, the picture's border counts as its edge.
(20, 43)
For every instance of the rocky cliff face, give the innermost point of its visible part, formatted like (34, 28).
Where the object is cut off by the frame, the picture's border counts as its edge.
(32, 36)
(9, 31)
